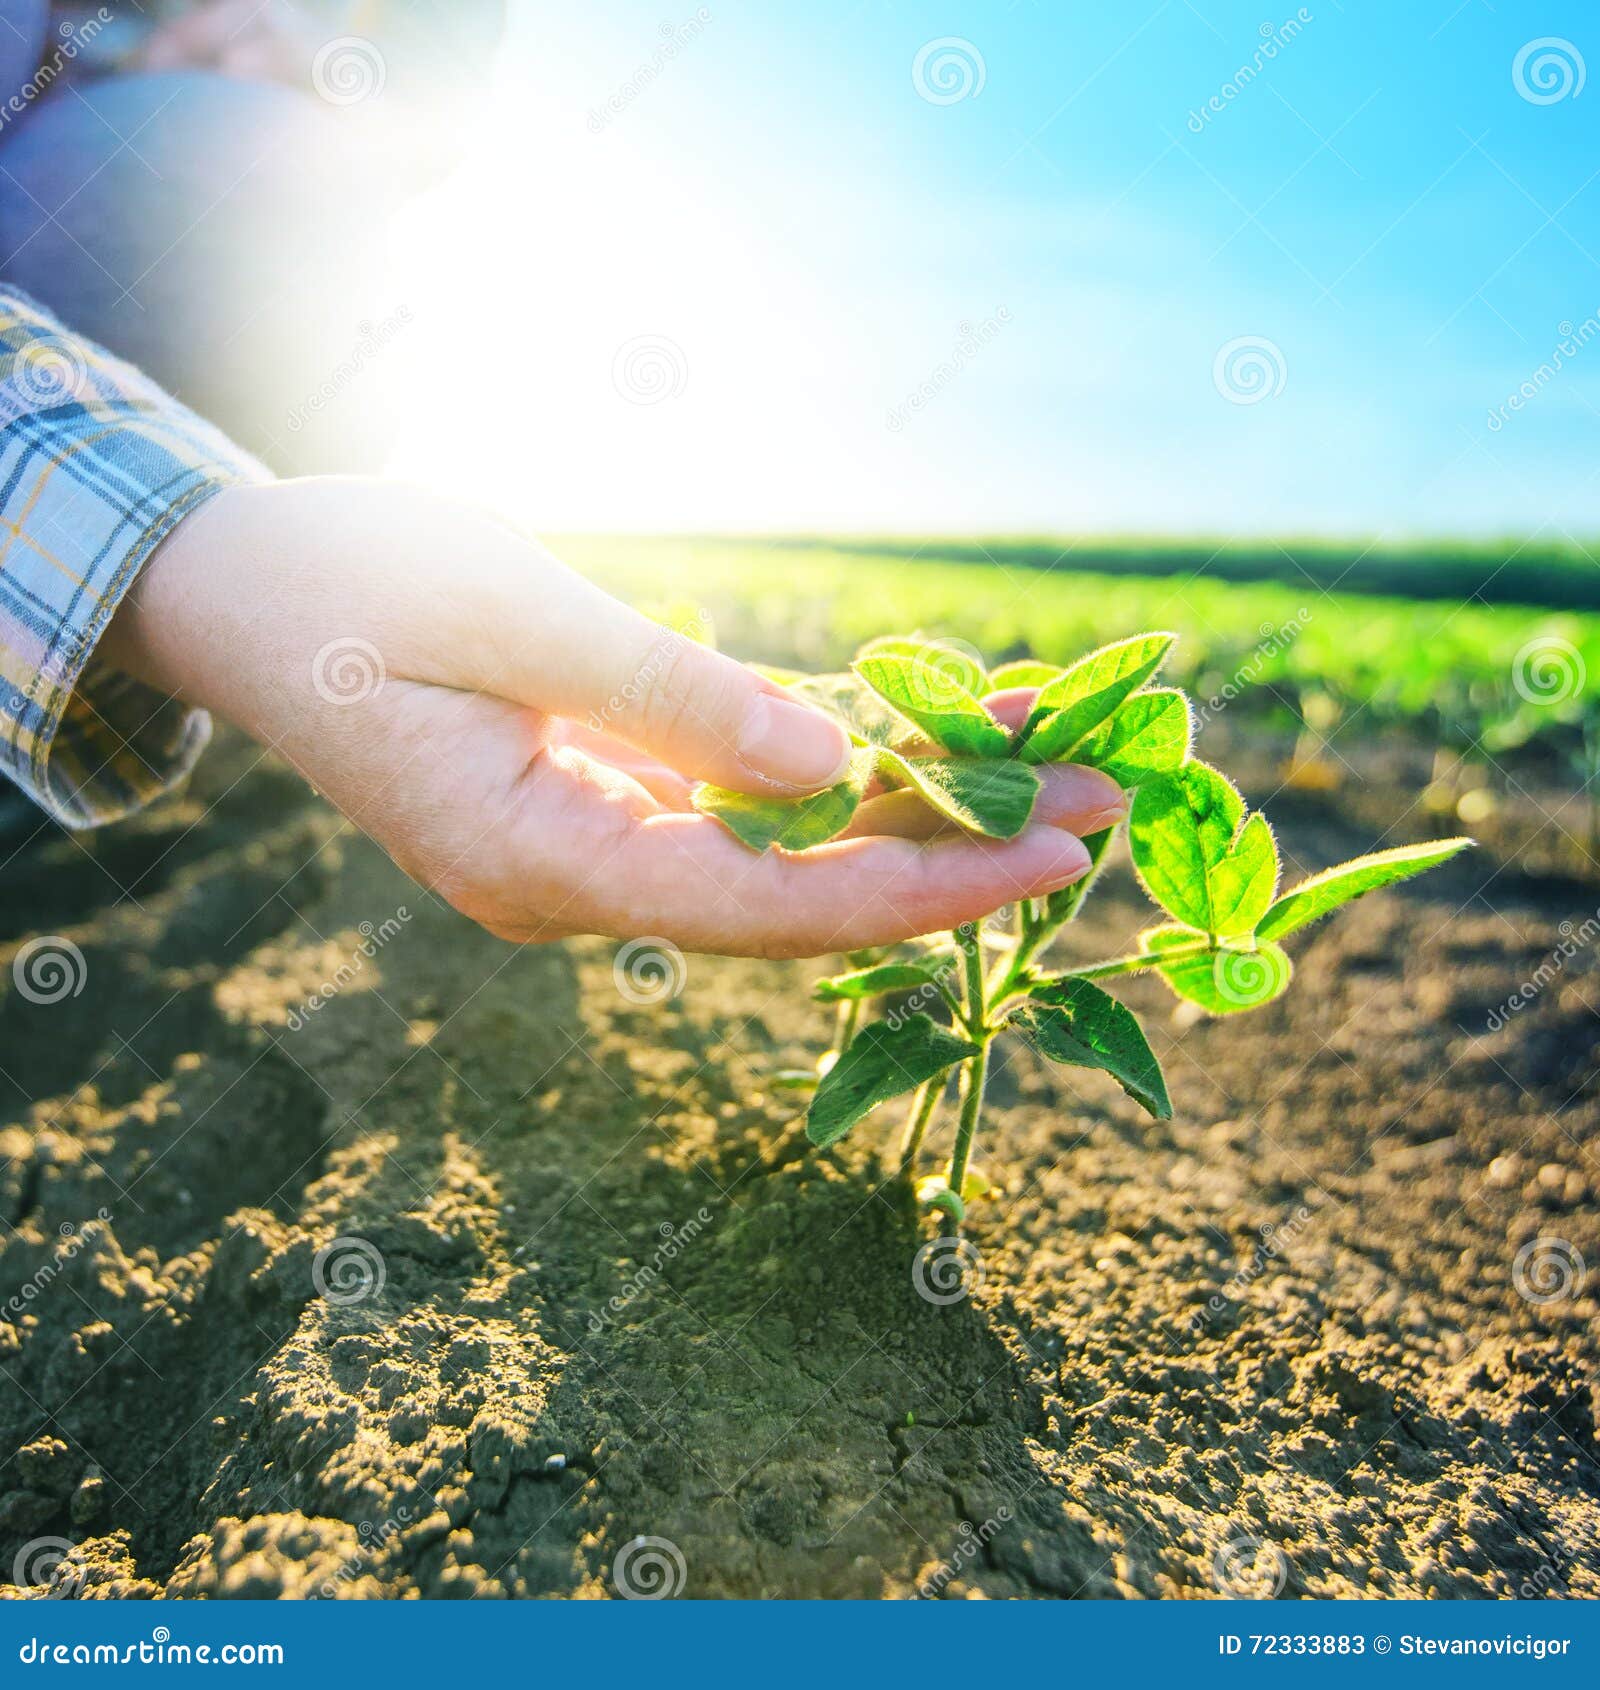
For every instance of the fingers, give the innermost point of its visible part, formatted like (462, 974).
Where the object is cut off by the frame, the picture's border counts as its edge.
(1077, 799)
(584, 856)
(841, 896)
(1011, 706)
(197, 36)
(665, 785)
(580, 653)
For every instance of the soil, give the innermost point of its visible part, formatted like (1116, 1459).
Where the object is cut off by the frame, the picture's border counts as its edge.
(1273, 1346)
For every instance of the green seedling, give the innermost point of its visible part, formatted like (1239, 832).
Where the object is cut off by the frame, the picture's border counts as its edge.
(914, 710)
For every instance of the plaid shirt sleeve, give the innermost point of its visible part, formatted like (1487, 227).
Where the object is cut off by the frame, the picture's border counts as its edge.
(97, 467)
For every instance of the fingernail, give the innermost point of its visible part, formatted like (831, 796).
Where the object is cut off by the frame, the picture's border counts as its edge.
(1103, 819)
(789, 745)
(1073, 865)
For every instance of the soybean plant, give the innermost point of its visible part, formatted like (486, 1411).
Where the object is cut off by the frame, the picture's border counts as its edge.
(915, 713)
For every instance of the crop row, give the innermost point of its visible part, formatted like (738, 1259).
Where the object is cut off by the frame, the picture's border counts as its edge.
(1504, 678)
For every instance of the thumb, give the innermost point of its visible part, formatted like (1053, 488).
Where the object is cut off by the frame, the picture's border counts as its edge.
(617, 672)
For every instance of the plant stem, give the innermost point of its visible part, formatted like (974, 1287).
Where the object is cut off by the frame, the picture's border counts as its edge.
(972, 955)
(845, 1024)
(923, 1107)
(974, 1073)
(1030, 911)
(1045, 917)
(1138, 961)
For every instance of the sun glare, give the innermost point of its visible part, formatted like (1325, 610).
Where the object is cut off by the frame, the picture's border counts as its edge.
(599, 344)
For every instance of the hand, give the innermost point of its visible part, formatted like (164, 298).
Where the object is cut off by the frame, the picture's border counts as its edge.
(244, 38)
(524, 744)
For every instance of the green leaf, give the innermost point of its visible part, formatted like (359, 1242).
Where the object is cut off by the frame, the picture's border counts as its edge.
(1180, 827)
(1025, 672)
(884, 1061)
(1222, 979)
(885, 977)
(961, 665)
(1322, 893)
(946, 711)
(982, 796)
(1242, 884)
(855, 706)
(1081, 698)
(1194, 858)
(793, 823)
(1146, 734)
(1074, 1021)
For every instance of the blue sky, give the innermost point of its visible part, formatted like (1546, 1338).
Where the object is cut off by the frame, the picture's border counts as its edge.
(777, 227)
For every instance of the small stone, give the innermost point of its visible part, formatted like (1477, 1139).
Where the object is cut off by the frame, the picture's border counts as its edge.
(43, 1465)
(89, 1499)
(555, 1463)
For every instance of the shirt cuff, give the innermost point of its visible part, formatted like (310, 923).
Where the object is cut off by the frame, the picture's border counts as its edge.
(97, 467)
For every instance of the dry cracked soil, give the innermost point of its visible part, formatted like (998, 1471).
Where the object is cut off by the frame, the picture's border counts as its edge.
(484, 1279)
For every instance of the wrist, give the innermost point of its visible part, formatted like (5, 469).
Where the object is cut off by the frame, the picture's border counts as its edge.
(180, 615)
(231, 612)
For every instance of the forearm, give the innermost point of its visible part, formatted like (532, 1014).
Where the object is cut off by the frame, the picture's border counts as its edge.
(277, 604)
(231, 611)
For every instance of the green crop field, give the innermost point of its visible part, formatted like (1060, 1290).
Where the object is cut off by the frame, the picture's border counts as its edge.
(1506, 675)
(1563, 576)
